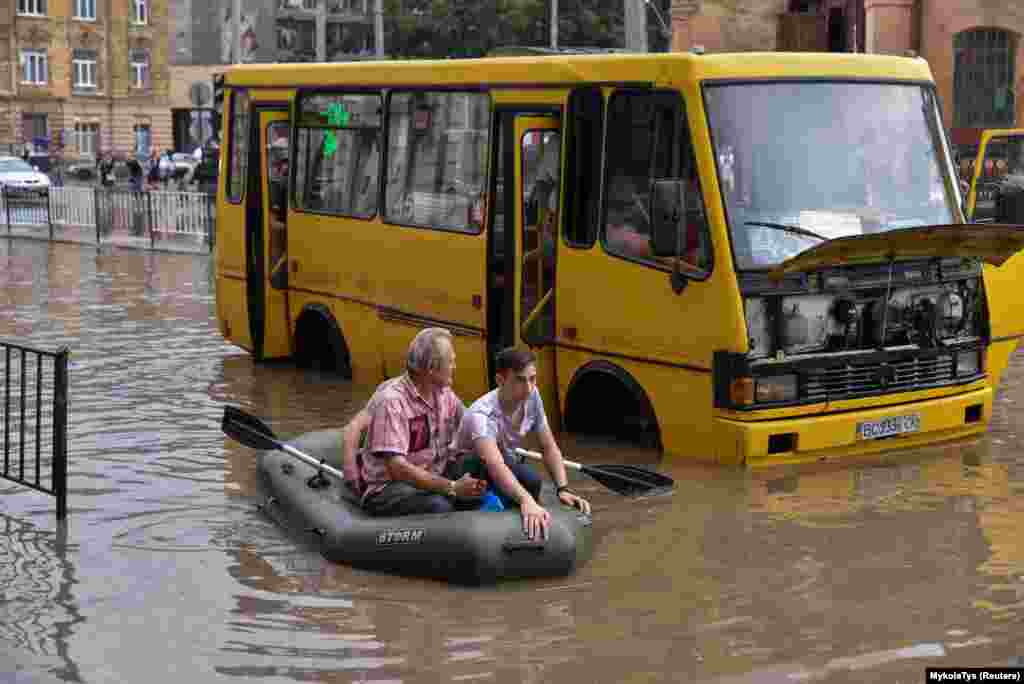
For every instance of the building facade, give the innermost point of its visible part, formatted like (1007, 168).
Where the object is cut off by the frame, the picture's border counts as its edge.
(84, 77)
(202, 42)
(272, 31)
(973, 47)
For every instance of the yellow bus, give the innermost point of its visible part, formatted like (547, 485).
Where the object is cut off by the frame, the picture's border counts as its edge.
(747, 259)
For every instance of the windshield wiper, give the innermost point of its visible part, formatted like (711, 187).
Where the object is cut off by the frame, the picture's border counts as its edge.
(789, 229)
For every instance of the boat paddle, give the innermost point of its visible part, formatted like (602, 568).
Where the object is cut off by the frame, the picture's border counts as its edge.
(624, 479)
(253, 432)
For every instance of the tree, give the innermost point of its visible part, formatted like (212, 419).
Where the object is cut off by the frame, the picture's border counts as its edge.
(472, 28)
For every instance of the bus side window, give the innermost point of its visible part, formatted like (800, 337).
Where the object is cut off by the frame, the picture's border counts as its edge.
(238, 144)
(338, 153)
(696, 239)
(437, 159)
(649, 139)
(641, 146)
(585, 124)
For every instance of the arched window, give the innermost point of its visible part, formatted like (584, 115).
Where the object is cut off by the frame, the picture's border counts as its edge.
(983, 78)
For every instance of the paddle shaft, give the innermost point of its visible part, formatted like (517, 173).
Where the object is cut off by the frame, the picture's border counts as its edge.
(289, 449)
(604, 474)
(540, 457)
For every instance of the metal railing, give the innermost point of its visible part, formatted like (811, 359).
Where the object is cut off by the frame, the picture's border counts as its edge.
(179, 220)
(35, 420)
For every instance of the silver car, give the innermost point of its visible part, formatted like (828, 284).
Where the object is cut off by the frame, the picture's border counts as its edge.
(18, 175)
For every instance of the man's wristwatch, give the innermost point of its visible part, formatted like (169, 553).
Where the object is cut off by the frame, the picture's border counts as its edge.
(562, 488)
(450, 493)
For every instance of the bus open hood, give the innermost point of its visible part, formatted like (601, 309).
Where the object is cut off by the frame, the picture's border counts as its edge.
(991, 242)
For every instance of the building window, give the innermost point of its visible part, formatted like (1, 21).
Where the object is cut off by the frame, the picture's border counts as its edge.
(87, 135)
(143, 138)
(83, 66)
(139, 12)
(983, 78)
(85, 9)
(140, 68)
(347, 6)
(35, 8)
(33, 129)
(34, 67)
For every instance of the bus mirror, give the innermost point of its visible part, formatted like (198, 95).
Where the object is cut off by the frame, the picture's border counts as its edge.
(667, 202)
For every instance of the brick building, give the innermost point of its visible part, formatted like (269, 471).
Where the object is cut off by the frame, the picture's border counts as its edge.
(974, 47)
(89, 74)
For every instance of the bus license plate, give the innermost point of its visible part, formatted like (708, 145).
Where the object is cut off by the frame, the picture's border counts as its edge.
(886, 427)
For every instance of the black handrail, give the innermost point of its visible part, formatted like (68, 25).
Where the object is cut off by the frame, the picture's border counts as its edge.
(18, 359)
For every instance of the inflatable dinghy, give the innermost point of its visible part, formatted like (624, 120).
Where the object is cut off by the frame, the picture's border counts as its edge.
(465, 547)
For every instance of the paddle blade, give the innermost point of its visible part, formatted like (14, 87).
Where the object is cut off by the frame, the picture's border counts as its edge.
(247, 429)
(629, 480)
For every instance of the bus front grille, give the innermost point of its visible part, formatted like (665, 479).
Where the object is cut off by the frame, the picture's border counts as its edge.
(866, 379)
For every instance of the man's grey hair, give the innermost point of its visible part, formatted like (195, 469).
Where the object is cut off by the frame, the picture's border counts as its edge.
(424, 351)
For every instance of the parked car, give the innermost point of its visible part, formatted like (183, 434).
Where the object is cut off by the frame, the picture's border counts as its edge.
(17, 174)
(85, 170)
(183, 164)
(82, 170)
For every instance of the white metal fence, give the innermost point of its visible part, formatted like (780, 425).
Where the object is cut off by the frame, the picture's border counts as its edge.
(175, 220)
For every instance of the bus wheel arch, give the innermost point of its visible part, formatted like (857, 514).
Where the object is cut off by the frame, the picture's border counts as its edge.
(605, 399)
(319, 342)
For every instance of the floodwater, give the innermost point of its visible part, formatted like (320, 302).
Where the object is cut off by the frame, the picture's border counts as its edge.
(166, 571)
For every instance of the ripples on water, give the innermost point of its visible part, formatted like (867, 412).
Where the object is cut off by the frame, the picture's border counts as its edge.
(165, 570)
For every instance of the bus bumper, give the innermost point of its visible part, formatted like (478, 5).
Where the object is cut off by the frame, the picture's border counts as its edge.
(833, 437)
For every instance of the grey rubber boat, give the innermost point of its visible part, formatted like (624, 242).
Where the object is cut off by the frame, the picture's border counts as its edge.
(464, 547)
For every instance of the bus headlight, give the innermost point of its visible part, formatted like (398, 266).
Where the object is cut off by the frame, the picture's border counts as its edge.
(776, 388)
(968, 362)
(741, 391)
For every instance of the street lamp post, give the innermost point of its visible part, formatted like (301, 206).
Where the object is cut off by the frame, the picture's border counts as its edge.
(236, 38)
(378, 28)
(554, 24)
(636, 25)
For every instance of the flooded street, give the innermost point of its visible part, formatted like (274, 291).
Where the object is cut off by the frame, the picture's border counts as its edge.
(166, 571)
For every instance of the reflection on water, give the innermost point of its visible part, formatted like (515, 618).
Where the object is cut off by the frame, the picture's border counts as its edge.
(858, 572)
(37, 607)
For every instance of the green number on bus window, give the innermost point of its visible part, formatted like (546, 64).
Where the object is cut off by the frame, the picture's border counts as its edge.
(338, 117)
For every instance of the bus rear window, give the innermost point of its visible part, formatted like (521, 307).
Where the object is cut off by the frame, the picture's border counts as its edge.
(437, 159)
(239, 142)
(338, 153)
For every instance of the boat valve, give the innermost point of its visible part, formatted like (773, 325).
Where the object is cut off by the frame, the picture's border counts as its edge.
(318, 481)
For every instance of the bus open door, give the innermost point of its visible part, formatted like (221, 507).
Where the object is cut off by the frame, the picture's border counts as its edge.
(274, 174)
(996, 195)
(527, 318)
(265, 234)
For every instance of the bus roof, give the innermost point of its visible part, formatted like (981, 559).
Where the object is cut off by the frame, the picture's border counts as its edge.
(561, 70)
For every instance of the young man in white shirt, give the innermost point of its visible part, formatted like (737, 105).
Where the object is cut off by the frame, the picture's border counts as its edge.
(495, 424)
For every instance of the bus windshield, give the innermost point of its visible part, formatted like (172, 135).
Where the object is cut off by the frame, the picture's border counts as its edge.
(803, 162)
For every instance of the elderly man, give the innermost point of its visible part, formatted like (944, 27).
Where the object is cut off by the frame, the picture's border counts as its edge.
(406, 467)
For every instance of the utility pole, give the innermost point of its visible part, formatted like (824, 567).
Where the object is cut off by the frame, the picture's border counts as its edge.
(635, 14)
(321, 31)
(378, 28)
(554, 24)
(236, 38)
